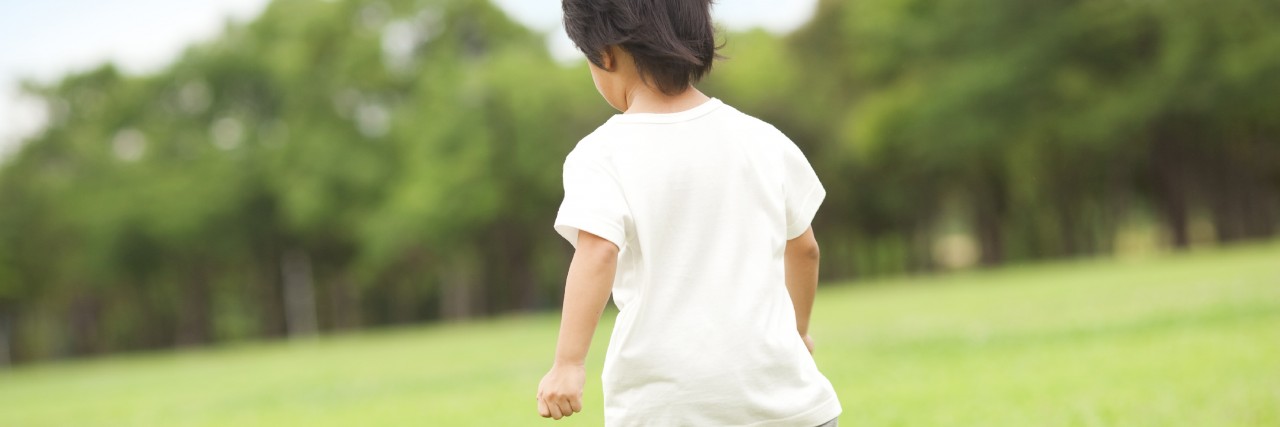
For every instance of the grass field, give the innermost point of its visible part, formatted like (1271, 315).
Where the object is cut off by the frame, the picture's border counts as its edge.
(1185, 340)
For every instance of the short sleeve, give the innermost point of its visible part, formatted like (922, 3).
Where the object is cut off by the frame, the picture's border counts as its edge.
(804, 192)
(593, 201)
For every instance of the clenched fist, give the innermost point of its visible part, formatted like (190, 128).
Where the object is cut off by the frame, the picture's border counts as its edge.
(560, 392)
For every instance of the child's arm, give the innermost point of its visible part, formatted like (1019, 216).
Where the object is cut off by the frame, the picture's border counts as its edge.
(801, 262)
(586, 291)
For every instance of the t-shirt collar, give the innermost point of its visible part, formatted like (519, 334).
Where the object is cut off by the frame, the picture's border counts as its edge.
(680, 116)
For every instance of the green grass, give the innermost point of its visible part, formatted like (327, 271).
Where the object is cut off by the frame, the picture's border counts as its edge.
(1185, 340)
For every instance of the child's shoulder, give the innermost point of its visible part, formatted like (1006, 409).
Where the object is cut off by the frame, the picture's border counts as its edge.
(755, 124)
(595, 142)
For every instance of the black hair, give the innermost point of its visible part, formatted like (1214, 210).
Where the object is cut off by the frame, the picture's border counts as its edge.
(672, 41)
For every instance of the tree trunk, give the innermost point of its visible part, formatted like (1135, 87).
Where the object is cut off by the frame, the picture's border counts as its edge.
(1067, 227)
(458, 291)
(1175, 214)
(1169, 177)
(1243, 207)
(194, 326)
(270, 299)
(1227, 179)
(344, 306)
(514, 249)
(918, 243)
(990, 239)
(85, 314)
(990, 204)
(6, 337)
(299, 294)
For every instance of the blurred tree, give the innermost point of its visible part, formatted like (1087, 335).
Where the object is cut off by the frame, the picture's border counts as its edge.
(1042, 117)
(355, 163)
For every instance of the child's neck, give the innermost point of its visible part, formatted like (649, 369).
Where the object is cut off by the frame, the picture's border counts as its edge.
(647, 100)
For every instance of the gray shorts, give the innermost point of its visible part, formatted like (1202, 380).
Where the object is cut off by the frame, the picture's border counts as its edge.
(831, 423)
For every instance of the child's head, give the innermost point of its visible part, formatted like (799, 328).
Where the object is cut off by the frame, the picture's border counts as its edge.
(668, 44)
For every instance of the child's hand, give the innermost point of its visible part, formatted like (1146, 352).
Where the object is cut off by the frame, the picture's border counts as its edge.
(808, 342)
(560, 392)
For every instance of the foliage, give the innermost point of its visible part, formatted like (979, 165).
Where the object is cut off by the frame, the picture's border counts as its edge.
(1052, 122)
(356, 163)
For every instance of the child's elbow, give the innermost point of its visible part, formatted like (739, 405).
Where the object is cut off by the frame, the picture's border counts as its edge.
(810, 252)
(596, 247)
(805, 246)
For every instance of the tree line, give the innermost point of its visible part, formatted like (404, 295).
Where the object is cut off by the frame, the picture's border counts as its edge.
(339, 165)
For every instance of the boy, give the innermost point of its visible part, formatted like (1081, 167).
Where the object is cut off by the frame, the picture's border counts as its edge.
(696, 217)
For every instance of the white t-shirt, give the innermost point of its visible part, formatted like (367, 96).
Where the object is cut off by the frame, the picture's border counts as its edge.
(701, 203)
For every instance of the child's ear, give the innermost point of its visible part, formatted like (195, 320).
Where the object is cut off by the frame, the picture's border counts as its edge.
(607, 58)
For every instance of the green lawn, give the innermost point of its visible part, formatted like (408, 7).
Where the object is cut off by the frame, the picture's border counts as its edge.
(1186, 340)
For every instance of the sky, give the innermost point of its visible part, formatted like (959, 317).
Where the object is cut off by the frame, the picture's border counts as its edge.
(42, 40)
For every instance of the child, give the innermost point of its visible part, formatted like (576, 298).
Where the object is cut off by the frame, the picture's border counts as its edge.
(696, 217)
